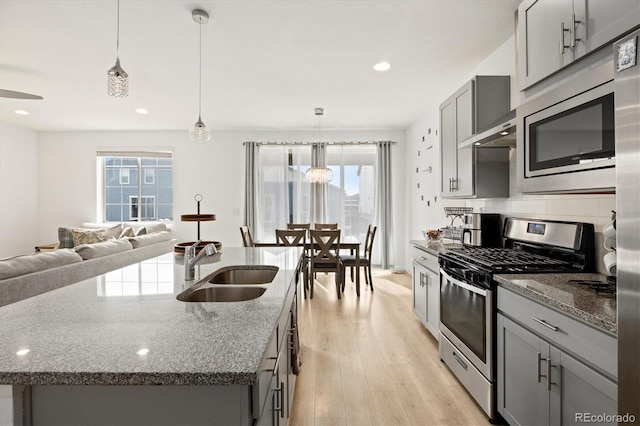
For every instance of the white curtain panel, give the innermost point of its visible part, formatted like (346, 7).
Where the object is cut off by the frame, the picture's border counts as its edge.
(251, 181)
(384, 207)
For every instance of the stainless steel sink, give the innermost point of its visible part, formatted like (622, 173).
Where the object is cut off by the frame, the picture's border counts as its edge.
(262, 274)
(221, 294)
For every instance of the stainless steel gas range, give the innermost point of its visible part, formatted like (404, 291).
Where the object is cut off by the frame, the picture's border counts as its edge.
(468, 297)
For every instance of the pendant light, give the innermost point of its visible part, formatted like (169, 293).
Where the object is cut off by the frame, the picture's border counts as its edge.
(199, 131)
(117, 78)
(319, 174)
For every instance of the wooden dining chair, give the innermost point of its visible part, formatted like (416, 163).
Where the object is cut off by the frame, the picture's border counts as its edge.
(293, 238)
(247, 239)
(325, 257)
(325, 226)
(365, 258)
(295, 226)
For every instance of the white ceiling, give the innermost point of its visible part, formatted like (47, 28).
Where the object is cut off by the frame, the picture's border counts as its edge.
(266, 64)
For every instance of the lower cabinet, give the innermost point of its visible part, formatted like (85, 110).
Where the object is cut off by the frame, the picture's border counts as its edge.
(419, 291)
(426, 290)
(540, 384)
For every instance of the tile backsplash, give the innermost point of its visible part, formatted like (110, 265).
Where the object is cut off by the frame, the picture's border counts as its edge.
(590, 208)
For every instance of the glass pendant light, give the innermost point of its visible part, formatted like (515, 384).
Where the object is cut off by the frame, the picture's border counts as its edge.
(319, 174)
(199, 131)
(117, 78)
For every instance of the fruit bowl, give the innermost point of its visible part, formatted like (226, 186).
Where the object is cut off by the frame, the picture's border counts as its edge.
(433, 235)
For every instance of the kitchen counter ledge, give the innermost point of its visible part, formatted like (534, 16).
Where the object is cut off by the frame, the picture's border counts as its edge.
(90, 333)
(557, 291)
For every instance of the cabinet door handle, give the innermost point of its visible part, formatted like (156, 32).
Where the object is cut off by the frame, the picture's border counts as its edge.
(549, 382)
(280, 409)
(539, 369)
(546, 324)
(454, 184)
(562, 31)
(574, 40)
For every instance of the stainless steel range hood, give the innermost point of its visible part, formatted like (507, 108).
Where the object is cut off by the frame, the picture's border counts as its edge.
(501, 133)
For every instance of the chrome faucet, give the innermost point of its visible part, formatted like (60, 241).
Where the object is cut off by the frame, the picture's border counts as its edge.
(190, 258)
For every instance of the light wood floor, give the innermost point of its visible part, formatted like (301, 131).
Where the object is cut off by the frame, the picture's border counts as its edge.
(369, 361)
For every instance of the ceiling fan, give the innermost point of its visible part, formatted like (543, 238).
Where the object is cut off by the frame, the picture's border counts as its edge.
(17, 95)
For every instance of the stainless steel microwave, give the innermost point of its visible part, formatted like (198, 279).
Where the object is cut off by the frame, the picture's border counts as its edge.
(566, 140)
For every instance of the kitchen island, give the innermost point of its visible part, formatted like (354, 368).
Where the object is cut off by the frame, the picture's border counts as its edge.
(121, 349)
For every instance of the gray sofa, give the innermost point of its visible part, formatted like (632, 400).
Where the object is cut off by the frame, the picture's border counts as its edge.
(29, 275)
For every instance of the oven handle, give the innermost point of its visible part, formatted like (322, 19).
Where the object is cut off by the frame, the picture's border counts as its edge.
(464, 285)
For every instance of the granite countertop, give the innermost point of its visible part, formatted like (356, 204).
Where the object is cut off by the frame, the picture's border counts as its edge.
(557, 291)
(435, 248)
(92, 332)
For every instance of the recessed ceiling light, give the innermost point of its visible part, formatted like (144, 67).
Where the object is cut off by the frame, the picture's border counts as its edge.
(143, 351)
(21, 112)
(382, 66)
(477, 143)
(22, 352)
(504, 133)
(142, 111)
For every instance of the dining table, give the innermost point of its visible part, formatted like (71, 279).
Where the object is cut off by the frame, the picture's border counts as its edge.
(348, 242)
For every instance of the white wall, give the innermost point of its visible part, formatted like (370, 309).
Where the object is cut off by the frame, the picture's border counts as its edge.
(594, 209)
(67, 183)
(18, 190)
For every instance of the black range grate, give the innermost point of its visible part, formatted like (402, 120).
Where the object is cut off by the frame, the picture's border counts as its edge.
(504, 259)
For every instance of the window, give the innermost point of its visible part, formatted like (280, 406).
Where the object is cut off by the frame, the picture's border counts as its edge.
(149, 176)
(351, 193)
(135, 186)
(285, 194)
(283, 189)
(147, 210)
(124, 176)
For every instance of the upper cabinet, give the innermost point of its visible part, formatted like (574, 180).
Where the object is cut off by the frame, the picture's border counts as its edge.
(471, 109)
(553, 34)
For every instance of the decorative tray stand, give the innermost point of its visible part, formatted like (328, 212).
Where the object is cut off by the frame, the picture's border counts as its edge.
(455, 232)
(198, 217)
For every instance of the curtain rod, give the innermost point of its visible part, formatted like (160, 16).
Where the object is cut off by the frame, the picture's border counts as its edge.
(326, 143)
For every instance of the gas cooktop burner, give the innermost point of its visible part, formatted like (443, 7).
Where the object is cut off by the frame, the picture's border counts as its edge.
(504, 259)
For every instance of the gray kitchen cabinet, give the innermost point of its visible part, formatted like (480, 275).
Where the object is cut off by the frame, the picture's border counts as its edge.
(471, 109)
(419, 292)
(426, 289)
(554, 34)
(552, 368)
(539, 384)
(273, 394)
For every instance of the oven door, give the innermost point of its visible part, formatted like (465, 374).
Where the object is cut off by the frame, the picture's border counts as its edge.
(466, 319)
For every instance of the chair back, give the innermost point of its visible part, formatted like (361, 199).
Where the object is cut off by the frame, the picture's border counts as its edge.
(322, 252)
(325, 226)
(287, 237)
(247, 239)
(368, 242)
(294, 226)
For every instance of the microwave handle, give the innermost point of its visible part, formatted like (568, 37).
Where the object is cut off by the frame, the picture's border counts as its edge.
(466, 286)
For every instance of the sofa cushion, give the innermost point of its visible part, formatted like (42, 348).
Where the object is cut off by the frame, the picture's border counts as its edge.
(112, 230)
(87, 236)
(148, 239)
(22, 265)
(150, 226)
(91, 251)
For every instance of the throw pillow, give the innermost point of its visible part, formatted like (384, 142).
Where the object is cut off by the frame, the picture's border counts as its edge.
(127, 232)
(155, 227)
(65, 236)
(87, 236)
(141, 231)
